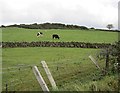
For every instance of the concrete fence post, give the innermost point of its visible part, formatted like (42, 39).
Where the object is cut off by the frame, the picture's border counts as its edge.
(49, 75)
(94, 61)
(40, 79)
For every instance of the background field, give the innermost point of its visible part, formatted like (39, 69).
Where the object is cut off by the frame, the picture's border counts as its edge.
(20, 34)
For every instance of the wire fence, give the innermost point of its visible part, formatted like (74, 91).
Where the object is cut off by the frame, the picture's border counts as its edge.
(67, 74)
(17, 78)
(21, 77)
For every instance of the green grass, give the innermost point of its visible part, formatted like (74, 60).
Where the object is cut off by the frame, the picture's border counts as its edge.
(108, 83)
(20, 34)
(70, 67)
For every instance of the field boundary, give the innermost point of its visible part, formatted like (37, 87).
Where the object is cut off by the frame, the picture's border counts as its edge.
(56, 44)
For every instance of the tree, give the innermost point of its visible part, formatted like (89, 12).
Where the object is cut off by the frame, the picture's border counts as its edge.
(109, 26)
(2, 26)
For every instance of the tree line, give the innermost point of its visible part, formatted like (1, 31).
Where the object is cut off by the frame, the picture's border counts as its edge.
(48, 26)
(59, 26)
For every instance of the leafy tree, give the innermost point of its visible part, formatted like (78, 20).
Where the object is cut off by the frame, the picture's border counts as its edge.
(92, 28)
(2, 26)
(109, 26)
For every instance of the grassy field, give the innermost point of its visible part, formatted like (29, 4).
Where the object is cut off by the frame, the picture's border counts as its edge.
(20, 34)
(70, 67)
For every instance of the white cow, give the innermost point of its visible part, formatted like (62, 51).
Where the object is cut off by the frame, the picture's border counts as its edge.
(39, 34)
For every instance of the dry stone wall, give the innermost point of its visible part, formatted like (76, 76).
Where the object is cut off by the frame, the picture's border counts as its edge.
(55, 44)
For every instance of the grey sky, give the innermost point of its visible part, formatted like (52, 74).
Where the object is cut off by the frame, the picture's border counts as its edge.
(90, 13)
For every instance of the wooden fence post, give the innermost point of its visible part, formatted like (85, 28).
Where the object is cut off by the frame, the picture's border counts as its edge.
(40, 79)
(49, 75)
(94, 61)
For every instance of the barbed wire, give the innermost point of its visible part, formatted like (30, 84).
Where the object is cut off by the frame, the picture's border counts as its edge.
(11, 84)
(62, 70)
(17, 67)
(25, 67)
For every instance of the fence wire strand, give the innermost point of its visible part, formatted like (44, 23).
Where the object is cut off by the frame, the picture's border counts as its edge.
(61, 71)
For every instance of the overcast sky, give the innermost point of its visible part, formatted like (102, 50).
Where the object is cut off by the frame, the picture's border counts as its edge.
(90, 13)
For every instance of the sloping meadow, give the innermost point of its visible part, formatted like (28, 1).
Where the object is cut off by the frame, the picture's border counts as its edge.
(29, 35)
(71, 68)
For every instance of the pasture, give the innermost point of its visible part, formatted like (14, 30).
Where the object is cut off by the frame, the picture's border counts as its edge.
(71, 68)
(29, 35)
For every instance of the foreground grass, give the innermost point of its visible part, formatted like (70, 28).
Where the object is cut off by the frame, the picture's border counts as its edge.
(70, 67)
(20, 34)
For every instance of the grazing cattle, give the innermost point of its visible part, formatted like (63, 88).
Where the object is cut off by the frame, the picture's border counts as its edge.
(55, 36)
(39, 34)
